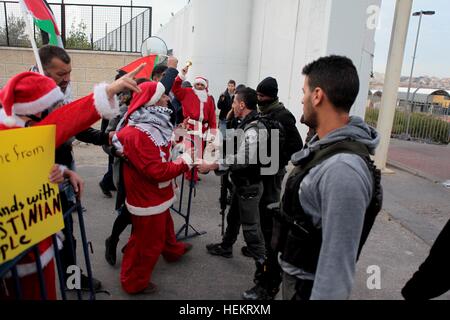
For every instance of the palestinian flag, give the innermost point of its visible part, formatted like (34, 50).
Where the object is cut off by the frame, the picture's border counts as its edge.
(43, 19)
(151, 61)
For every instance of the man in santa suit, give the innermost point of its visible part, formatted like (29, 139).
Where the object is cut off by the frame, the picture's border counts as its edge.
(198, 110)
(23, 100)
(144, 139)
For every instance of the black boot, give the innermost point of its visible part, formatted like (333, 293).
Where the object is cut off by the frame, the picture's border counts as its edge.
(110, 250)
(262, 290)
(218, 249)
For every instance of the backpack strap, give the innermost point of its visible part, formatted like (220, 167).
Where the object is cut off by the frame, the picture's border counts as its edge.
(329, 150)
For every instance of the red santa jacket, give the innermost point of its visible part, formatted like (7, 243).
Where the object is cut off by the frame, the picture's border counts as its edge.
(69, 120)
(147, 173)
(204, 112)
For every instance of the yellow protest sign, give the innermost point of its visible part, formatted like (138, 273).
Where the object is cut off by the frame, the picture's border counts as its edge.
(30, 207)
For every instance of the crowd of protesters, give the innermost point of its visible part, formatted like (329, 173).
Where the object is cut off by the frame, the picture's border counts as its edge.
(305, 241)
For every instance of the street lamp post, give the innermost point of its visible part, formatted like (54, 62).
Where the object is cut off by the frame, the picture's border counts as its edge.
(415, 14)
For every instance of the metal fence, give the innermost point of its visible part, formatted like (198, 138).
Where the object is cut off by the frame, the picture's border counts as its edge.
(128, 37)
(432, 126)
(83, 26)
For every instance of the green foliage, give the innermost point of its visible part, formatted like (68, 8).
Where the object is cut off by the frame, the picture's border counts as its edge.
(422, 126)
(77, 37)
(16, 33)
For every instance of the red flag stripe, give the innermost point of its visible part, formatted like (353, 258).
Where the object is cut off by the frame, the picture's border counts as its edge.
(40, 11)
(147, 71)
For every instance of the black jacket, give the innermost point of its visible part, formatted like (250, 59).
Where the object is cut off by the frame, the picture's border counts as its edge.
(63, 154)
(278, 111)
(174, 104)
(224, 104)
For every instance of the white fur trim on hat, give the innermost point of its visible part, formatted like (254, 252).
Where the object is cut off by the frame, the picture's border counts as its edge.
(106, 109)
(160, 90)
(201, 81)
(43, 103)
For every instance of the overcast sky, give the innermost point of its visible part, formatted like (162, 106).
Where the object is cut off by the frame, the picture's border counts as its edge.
(161, 8)
(434, 45)
(433, 52)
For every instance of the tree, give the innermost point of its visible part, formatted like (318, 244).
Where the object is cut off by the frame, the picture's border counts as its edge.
(16, 33)
(77, 38)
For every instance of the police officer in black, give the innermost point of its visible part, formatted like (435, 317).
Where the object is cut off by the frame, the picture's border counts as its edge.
(290, 142)
(245, 173)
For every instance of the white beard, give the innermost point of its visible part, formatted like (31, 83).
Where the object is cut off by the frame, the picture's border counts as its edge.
(201, 94)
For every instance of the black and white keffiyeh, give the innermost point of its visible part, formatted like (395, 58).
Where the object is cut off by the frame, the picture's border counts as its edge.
(155, 122)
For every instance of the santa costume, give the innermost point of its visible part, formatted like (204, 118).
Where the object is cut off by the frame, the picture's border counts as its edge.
(144, 138)
(30, 93)
(199, 107)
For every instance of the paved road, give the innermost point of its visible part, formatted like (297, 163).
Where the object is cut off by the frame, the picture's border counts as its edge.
(430, 161)
(396, 246)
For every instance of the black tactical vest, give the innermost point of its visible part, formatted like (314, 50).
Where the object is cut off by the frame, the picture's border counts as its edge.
(295, 236)
(252, 173)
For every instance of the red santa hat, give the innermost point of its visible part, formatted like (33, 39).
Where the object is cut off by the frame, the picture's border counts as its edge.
(201, 80)
(151, 93)
(28, 93)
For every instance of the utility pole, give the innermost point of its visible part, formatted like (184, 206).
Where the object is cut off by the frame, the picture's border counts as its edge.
(415, 14)
(392, 79)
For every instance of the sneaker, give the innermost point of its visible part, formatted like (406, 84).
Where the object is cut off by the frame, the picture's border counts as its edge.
(258, 293)
(105, 190)
(219, 250)
(84, 282)
(110, 250)
(246, 252)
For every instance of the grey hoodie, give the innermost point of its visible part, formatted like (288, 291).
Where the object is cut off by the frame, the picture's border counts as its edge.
(336, 194)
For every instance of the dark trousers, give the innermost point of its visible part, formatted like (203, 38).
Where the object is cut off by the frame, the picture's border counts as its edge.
(271, 194)
(433, 277)
(244, 210)
(295, 288)
(122, 221)
(107, 180)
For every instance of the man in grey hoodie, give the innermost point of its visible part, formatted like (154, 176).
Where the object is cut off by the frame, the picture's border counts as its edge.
(335, 194)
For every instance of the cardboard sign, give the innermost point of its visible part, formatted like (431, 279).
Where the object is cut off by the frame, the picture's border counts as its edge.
(30, 206)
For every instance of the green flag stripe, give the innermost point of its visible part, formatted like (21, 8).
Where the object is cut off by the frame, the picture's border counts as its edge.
(47, 26)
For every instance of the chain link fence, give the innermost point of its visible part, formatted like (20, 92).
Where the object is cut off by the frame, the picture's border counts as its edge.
(83, 26)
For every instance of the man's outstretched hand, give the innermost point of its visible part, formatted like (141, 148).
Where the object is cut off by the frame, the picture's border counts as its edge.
(124, 83)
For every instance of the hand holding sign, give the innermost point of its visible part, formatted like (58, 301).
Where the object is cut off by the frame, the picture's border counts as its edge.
(56, 174)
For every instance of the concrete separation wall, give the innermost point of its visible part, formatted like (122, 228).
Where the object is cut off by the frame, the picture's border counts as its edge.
(248, 40)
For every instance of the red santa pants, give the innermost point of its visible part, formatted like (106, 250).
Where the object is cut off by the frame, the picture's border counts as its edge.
(151, 237)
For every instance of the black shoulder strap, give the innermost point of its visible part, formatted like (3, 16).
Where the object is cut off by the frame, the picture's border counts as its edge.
(330, 150)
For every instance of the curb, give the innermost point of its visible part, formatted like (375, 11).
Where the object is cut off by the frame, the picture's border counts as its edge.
(415, 172)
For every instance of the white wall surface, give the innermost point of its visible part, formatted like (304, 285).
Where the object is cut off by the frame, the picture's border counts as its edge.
(214, 35)
(248, 40)
(349, 35)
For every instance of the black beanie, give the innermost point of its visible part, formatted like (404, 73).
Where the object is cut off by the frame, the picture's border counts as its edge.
(268, 87)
